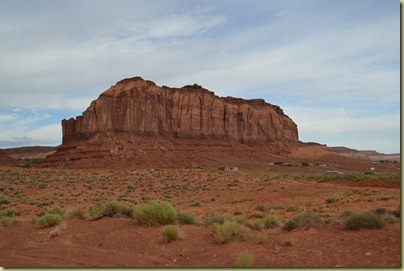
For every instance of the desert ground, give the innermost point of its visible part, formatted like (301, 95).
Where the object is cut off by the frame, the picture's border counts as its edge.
(245, 196)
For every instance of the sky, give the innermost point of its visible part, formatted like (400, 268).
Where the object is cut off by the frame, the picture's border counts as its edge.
(332, 66)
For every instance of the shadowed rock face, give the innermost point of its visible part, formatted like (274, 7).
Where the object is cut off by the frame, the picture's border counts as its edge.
(139, 107)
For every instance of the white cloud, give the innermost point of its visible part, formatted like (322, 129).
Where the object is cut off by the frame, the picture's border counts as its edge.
(49, 134)
(174, 26)
(342, 127)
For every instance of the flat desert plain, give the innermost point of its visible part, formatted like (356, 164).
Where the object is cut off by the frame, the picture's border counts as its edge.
(245, 197)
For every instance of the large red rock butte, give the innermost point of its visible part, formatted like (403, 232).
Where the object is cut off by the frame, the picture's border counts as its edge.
(139, 124)
(140, 107)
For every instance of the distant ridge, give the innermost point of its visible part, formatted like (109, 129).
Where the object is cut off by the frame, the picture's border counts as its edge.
(368, 155)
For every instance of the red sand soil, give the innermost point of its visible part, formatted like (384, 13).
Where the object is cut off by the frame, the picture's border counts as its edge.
(122, 242)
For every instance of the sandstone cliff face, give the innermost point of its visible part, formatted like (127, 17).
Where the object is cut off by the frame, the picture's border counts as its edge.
(139, 107)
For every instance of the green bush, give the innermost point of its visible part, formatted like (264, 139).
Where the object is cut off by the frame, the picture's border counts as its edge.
(156, 213)
(369, 172)
(331, 200)
(185, 218)
(257, 214)
(76, 212)
(270, 221)
(346, 213)
(260, 208)
(10, 213)
(380, 211)
(49, 220)
(56, 210)
(170, 232)
(292, 208)
(396, 213)
(195, 204)
(230, 231)
(216, 219)
(289, 225)
(255, 224)
(4, 201)
(244, 259)
(307, 219)
(113, 208)
(363, 220)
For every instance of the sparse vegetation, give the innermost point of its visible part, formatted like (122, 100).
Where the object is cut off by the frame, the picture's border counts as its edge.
(156, 213)
(270, 221)
(357, 221)
(195, 204)
(244, 259)
(216, 219)
(113, 208)
(369, 172)
(292, 208)
(77, 212)
(185, 218)
(308, 219)
(49, 220)
(230, 231)
(56, 210)
(12, 212)
(72, 193)
(170, 233)
(331, 200)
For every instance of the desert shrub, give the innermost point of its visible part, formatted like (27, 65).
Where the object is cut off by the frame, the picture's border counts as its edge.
(75, 212)
(185, 218)
(390, 218)
(260, 208)
(270, 221)
(289, 225)
(9, 213)
(170, 232)
(257, 214)
(363, 220)
(230, 231)
(369, 172)
(278, 207)
(113, 208)
(331, 200)
(346, 213)
(396, 213)
(4, 201)
(261, 237)
(49, 220)
(330, 221)
(255, 224)
(216, 219)
(380, 211)
(307, 219)
(292, 208)
(195, 204)
(56, 210)
(156, 213)
(244, 259)
(9, 220)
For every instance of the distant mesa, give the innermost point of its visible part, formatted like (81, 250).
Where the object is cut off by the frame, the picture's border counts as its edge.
(140, 107)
